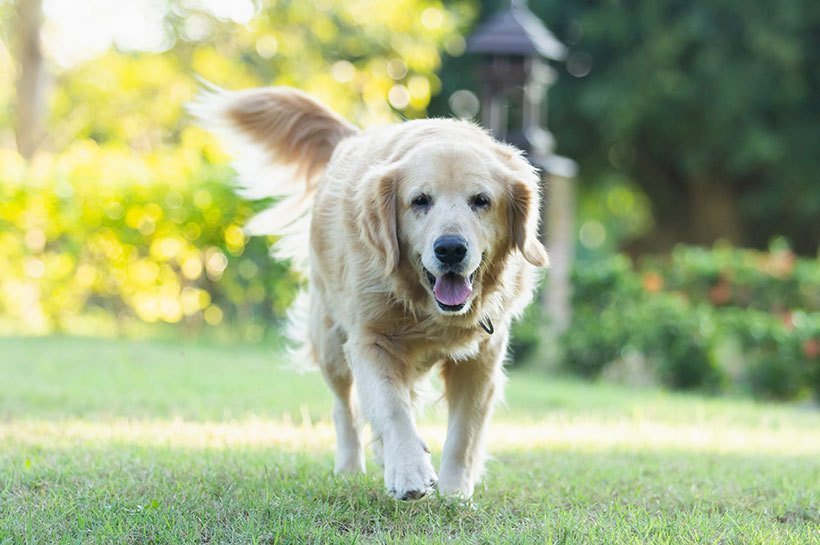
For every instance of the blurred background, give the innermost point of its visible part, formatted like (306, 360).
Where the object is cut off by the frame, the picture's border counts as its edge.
(695, 209)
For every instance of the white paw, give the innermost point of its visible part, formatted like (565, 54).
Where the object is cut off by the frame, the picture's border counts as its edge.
(348, 467)
(457, 485)
(408, 471)
(349, 461)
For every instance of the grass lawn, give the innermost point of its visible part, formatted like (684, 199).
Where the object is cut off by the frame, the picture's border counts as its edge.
(153, 442)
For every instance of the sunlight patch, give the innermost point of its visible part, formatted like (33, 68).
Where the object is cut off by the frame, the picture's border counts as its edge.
(554, 434)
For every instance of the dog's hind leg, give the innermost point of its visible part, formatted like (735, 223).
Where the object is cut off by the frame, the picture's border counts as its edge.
(349, 450)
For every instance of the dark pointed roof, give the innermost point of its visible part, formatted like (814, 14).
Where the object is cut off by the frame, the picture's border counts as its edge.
(516, 31)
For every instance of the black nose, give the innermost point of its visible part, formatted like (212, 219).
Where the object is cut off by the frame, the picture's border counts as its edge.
(450, 249)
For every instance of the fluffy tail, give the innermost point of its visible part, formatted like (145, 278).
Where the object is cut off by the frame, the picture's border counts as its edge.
(282, 140)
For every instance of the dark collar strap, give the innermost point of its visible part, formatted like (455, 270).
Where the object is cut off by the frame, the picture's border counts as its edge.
(487, 325)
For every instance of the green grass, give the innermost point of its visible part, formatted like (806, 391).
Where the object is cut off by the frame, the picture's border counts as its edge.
(140, 442)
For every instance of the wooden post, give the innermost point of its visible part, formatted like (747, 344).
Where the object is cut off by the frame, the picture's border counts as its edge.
(559, 232)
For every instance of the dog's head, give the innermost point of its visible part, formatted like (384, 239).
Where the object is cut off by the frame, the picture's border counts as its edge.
(448, 211)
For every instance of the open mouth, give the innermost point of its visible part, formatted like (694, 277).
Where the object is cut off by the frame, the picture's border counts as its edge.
(451, 290)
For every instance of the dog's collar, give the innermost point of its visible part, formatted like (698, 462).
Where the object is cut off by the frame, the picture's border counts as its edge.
(487, 325)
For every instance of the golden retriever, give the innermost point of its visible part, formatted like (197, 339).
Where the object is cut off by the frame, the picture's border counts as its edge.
(420, 244)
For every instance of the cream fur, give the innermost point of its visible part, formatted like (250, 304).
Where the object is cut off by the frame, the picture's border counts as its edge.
(372, 322)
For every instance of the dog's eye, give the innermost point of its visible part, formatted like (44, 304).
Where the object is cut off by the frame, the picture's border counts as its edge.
(421, 201)
(480, 201)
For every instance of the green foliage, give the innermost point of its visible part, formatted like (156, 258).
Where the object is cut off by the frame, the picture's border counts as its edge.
(708, 106)
(98, 238)
(594, 340)
(526, 335)
(775, 281)
(678, 339)
(687, 321)
(367, 60)
(698, 103)
(598, 336)
(782, 352)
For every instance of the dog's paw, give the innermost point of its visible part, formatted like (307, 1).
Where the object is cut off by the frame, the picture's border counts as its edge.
(455, 488)
(349, 465)
(349, 459)
(408, 472)
(455, 480)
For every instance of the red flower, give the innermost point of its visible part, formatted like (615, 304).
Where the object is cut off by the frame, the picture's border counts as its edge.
(811, 348)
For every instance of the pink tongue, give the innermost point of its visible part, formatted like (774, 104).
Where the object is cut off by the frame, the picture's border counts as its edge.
(452, 289)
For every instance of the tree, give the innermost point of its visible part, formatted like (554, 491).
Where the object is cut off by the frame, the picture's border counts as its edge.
(709, 106)
(31, 79)
(366, 59)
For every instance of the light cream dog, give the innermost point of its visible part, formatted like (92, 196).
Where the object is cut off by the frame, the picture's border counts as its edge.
(420, 244)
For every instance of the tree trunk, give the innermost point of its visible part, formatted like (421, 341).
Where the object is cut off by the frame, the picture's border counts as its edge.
(31, 78)
(667, 193)
(713, 212)
(688, 210)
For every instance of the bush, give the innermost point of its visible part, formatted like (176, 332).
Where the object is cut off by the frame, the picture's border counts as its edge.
(601, 291)
(614, 312)
(593, 342)
(781, 351)
(100, 240)
(725, 276)
(678, 339)
(679, 316)
(527, 334)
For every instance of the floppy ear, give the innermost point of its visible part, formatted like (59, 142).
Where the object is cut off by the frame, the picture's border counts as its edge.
(525, 200)
(377, 215)
(524, 204)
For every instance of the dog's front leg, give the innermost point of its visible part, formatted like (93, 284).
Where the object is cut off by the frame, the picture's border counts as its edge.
(383, 386)
(471, 387)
